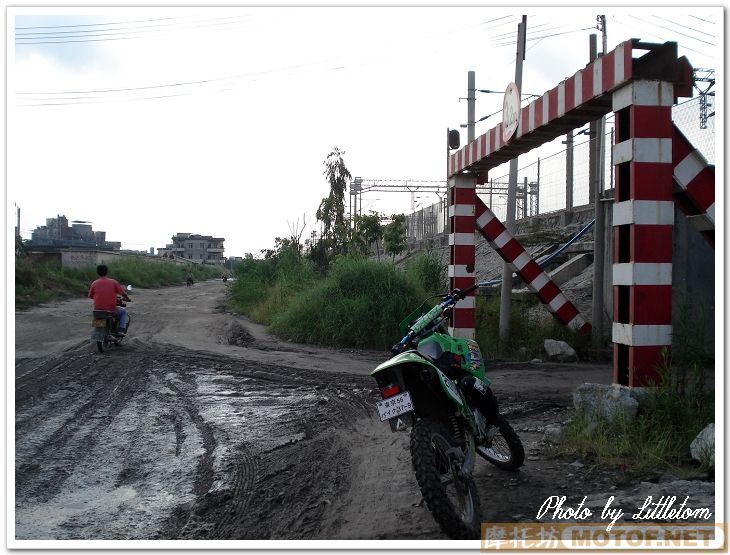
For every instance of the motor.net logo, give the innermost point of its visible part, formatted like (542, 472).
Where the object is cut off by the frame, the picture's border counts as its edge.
(547, 536)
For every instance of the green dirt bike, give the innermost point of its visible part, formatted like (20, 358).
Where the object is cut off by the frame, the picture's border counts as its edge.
(436, 385)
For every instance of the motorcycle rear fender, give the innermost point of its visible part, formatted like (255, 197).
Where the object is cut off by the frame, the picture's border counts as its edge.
(411, 361)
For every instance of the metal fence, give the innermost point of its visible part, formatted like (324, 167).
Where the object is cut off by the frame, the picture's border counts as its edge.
(428, 222)
(542, 183)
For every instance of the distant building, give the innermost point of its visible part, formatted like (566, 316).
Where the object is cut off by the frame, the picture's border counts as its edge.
(57, 234)
(196, 248)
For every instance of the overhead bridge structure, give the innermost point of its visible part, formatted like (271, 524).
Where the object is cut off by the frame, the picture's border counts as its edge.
(655, 166)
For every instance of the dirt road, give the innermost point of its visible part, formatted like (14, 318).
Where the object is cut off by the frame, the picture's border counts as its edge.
(202, 426)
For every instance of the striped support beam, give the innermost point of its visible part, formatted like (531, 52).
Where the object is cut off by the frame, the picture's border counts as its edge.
(598, 78)
(643, 218)
(462, 194)
(694, 185)
(529, 271)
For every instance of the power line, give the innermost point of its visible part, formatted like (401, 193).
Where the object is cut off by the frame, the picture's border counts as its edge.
(544, 37)
(105, 93)
(121, 34)
(705, 20)
(97, 24)
(671, 30)
(643, 30)
(684, 26)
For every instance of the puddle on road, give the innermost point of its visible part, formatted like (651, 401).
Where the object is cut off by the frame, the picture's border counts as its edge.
(262, 419)
(47, 520)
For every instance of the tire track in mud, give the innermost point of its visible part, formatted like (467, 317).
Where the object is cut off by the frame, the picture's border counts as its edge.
(203, 475)
(281, 502)
(239, 489)
(74, 438)
(245, 479)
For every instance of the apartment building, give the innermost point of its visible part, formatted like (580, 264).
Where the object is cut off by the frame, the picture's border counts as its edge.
(196, 248)
(57, 233)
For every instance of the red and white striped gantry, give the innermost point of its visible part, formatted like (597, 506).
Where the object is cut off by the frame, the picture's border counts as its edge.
(655, 165)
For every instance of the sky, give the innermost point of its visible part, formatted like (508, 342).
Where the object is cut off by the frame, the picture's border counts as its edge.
(152, 121)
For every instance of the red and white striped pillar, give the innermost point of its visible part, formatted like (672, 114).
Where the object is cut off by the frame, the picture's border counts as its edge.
(643, 218)
(462, 241)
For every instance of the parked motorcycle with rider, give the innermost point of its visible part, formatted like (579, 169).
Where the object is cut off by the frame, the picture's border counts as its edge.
(436, 385)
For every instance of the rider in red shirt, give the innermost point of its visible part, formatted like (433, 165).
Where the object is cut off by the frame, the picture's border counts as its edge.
(104, 292)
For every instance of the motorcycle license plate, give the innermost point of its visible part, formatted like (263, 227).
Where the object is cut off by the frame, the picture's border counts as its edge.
(99, 323)
(395, 406)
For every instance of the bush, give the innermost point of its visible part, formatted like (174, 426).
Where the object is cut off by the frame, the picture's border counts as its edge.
(428, 272)
(530, 325)
(360, 304)
(263, 288)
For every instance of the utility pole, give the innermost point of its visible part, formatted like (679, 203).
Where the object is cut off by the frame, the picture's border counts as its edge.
(471, 105)
(592, 54)
(506, 298)
(600, 226)
(569, 170)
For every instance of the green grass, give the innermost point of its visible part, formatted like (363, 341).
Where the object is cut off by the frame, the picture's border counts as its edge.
(36, 283)
(658, 439)
(263, 288)
(359, 304)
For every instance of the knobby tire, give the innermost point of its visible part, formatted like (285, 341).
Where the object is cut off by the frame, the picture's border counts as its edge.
(426, 435)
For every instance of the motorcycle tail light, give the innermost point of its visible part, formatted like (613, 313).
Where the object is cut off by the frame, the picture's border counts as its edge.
(456, 361)
(389, 391)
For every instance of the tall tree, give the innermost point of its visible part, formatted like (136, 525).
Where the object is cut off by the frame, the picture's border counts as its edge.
(331, 211)
(370, 229)
(394, 235)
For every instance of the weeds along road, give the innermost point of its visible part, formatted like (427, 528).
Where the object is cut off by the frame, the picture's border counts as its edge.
(202, 426)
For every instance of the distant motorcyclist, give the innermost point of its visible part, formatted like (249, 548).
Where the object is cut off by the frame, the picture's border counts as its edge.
(104, 293)
(189, 279)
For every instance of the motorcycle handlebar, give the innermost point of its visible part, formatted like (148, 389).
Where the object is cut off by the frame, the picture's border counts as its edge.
(449, 300)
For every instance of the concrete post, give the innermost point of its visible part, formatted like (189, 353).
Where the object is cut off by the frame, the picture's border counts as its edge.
(506, 298)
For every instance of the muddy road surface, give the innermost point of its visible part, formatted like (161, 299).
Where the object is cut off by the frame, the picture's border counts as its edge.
(203, 426)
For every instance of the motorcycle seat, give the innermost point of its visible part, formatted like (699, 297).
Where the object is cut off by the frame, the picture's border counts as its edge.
(102, 314)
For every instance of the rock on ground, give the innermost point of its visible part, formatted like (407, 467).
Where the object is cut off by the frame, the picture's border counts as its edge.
(703, 446)
(560, 351)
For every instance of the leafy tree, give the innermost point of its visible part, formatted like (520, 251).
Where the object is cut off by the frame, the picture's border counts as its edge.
(331, 211)
(394, 235)
(370, 230)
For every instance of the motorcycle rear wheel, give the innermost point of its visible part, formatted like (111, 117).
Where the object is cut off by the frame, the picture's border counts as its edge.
(450, 495)
(505, 449)
(100, 346)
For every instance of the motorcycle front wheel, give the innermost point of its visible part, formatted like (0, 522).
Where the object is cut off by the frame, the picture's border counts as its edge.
(450, 494)
(504, 449)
